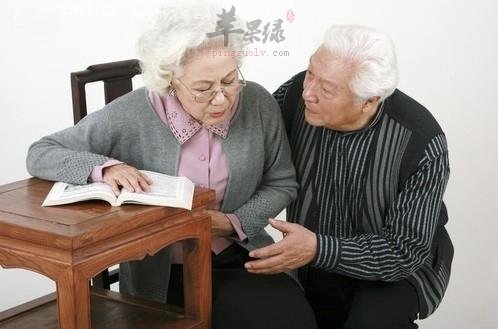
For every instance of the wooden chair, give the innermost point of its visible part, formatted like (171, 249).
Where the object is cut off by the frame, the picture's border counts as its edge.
(117, 82)
(117, 78)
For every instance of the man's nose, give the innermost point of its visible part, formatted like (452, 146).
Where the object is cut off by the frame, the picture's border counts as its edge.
(309, 92)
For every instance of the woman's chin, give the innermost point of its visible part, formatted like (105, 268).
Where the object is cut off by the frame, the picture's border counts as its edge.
(215, 118)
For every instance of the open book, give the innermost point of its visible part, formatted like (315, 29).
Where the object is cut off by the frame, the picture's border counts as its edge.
(169, 191)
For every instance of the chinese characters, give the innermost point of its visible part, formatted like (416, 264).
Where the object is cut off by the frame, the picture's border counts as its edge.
(272, 32)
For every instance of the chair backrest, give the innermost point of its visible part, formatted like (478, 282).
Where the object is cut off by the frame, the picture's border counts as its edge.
(117, 82)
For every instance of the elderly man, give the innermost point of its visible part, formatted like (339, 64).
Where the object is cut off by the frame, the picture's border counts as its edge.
(368, 232)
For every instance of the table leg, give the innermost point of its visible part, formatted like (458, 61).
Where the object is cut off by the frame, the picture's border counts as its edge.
(73, 300)
(197, 279)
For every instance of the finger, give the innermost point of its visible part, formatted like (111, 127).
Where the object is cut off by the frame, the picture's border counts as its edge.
(267, 271)
(144, 182)
(114, 187)
(123, 181)
(266, 263)
(268, 251)
(263, 267)
(144, 185)
(135, 182)
(216, 216)
(282, 226)
(147, 178)
(211, 214)
(135, 178)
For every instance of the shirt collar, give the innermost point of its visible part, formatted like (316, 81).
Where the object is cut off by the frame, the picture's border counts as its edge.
(372, 123)
(183, 125)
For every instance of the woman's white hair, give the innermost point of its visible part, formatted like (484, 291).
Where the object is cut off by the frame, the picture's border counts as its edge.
(176, 35)
(372, 56)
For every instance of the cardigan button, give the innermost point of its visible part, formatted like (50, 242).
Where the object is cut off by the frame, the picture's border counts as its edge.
(202, 158)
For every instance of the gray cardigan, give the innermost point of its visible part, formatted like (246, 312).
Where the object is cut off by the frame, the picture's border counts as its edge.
(261, 176)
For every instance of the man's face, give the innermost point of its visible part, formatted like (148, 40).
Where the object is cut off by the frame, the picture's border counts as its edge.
(328, 99)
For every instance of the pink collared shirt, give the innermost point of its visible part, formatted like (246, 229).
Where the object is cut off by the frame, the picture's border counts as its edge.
(202, 159)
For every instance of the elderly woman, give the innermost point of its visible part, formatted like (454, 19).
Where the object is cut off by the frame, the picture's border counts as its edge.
(199, 118)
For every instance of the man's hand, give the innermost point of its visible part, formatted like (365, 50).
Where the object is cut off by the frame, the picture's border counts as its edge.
(126, 176)
(296, 249)
(220, 224)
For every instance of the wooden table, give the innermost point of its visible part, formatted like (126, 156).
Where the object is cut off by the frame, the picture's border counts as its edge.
(72, 243)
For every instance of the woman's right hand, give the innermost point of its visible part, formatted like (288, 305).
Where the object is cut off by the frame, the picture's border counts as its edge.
(127, 177)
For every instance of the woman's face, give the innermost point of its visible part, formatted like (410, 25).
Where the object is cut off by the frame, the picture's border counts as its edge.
(206, 74)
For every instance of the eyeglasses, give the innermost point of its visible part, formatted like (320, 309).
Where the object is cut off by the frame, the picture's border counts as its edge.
(227, 90)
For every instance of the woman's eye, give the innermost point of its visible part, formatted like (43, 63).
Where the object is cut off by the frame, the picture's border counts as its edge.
(228, 82)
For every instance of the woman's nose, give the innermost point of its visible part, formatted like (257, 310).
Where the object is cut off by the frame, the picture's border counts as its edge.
(219, 97)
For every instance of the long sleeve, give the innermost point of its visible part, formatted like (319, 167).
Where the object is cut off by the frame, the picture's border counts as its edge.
(71, 154)
(409, 226)
(277, 186)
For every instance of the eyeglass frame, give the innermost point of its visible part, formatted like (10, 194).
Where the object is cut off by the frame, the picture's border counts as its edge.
(242, 83)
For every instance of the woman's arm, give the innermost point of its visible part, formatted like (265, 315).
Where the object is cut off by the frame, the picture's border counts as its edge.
(278, 186)
(71, 154)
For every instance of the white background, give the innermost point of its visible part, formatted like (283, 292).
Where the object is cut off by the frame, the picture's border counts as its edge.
(447, 53)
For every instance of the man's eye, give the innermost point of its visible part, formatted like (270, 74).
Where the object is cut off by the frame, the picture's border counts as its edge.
(201, 90)
(327, 92)
(228, 82)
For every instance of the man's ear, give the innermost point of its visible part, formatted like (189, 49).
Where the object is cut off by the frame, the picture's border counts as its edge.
(370, 104)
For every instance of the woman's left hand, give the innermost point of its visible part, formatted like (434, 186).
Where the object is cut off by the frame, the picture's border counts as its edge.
(220, 224)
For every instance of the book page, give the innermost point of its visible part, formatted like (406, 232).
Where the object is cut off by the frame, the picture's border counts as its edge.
(82, 190)
(165, 190)
(62, 193)
(164, 185)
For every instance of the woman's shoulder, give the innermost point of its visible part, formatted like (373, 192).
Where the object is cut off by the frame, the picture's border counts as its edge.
(255, 96)
(134, 100)
(255, 89)
(134, 106)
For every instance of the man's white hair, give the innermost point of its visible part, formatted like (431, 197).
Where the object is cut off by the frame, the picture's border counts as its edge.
(372, 56)
(178, 33)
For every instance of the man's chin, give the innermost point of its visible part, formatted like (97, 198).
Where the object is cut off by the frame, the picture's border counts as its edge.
(311, 118)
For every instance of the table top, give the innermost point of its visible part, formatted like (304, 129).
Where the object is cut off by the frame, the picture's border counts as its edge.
(79, 224)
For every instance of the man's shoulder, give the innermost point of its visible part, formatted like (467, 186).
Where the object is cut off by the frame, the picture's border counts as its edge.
(295, 84)
(412, 115)
(299, 77)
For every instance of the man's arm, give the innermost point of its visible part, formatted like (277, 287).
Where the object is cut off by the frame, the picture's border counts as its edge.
(392, 255)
